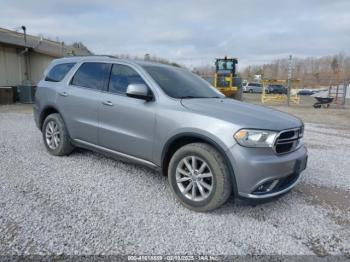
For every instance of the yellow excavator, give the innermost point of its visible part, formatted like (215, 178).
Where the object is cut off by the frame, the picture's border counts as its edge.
(226, 79)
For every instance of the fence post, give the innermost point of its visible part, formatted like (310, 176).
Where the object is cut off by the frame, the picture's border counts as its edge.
(289, 79)
(346, 85)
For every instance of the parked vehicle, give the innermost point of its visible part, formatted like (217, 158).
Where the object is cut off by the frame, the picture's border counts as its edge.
(252, 88)
(306, 92)
(171, 120)
(276, 89)
(226, 79)
(244, 86)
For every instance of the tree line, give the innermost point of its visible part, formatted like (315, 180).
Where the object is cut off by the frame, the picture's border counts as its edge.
(311, 71)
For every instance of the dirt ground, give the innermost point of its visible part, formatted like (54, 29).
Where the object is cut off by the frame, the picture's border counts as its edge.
(16, 108)
(335, 115)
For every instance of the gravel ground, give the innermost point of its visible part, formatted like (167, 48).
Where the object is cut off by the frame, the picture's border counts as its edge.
(90, 204)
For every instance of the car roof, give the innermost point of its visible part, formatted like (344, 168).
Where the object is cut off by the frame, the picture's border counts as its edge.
(106, 59)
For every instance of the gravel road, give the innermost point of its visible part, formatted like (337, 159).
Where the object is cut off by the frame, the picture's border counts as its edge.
(90, 204)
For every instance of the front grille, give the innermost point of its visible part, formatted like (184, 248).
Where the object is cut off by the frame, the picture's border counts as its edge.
(288, 140)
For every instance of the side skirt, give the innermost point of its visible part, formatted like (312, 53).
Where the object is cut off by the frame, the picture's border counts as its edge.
(115, 154)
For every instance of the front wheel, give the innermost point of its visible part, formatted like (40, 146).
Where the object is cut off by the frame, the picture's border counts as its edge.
(55, 135)
(199, 177)
(317, 105)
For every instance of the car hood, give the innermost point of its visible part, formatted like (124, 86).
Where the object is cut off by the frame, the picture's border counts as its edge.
(242, 114)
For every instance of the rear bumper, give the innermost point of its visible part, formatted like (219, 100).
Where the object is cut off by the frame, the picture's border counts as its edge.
(261, 174)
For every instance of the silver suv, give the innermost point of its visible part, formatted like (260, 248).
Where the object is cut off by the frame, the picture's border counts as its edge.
(171, 120)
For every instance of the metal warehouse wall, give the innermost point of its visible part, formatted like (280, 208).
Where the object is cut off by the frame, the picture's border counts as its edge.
(38, 64)
(12, 66)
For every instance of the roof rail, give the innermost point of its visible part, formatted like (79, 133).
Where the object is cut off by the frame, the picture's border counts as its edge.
(109, 56)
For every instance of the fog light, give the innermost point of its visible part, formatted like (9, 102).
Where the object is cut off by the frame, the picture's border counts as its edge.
(266, 187)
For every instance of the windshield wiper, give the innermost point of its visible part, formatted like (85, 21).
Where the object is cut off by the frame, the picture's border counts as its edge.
(189, 97)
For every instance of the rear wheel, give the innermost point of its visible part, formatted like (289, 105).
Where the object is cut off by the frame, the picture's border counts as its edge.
(239, 94)
(55, 135)
(317, 105)
(199, 177)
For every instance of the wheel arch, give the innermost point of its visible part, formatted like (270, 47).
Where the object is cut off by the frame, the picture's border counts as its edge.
(180, 140)
(48, 110)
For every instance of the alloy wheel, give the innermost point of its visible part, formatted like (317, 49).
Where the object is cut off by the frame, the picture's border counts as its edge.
(194, 178)
(52, 135)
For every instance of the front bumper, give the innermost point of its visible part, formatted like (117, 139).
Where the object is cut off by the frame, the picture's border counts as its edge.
(261, 174)
(228, 91)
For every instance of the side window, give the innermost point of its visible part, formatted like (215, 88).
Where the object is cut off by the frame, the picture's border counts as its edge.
(91, 75)
(121, 77)
(58, 72)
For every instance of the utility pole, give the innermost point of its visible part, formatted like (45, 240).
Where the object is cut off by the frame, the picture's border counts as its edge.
(289, 79)
(25, 53)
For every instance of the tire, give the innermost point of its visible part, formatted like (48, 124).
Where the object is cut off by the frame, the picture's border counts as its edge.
(251, 91)
(64, 146)
(221, 185)
(317, 105)
(238, 95)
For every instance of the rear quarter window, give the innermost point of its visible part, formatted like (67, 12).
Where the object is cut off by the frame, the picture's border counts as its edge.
(58, 72)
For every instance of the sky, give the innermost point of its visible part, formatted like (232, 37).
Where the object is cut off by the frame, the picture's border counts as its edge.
(190, 32)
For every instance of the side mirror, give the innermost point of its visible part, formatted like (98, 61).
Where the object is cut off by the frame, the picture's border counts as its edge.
(139, 91)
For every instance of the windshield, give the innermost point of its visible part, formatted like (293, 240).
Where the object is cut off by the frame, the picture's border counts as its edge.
(225, 65)
(180, 83)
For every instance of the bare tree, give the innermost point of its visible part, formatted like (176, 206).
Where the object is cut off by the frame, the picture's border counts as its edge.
(312, 71)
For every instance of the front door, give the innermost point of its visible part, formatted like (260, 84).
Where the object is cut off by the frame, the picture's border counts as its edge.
(126, 124)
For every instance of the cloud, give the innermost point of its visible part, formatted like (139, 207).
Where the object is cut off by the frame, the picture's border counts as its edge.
(190, 32)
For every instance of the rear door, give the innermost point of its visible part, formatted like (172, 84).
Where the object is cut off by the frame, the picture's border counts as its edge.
(126, 124)
(254, 87)
(80, 99)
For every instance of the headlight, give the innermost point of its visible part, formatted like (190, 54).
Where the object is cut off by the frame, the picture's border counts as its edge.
(255, 138)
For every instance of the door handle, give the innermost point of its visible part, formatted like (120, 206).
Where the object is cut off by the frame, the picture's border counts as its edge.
(107, 103)
(63, 94)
